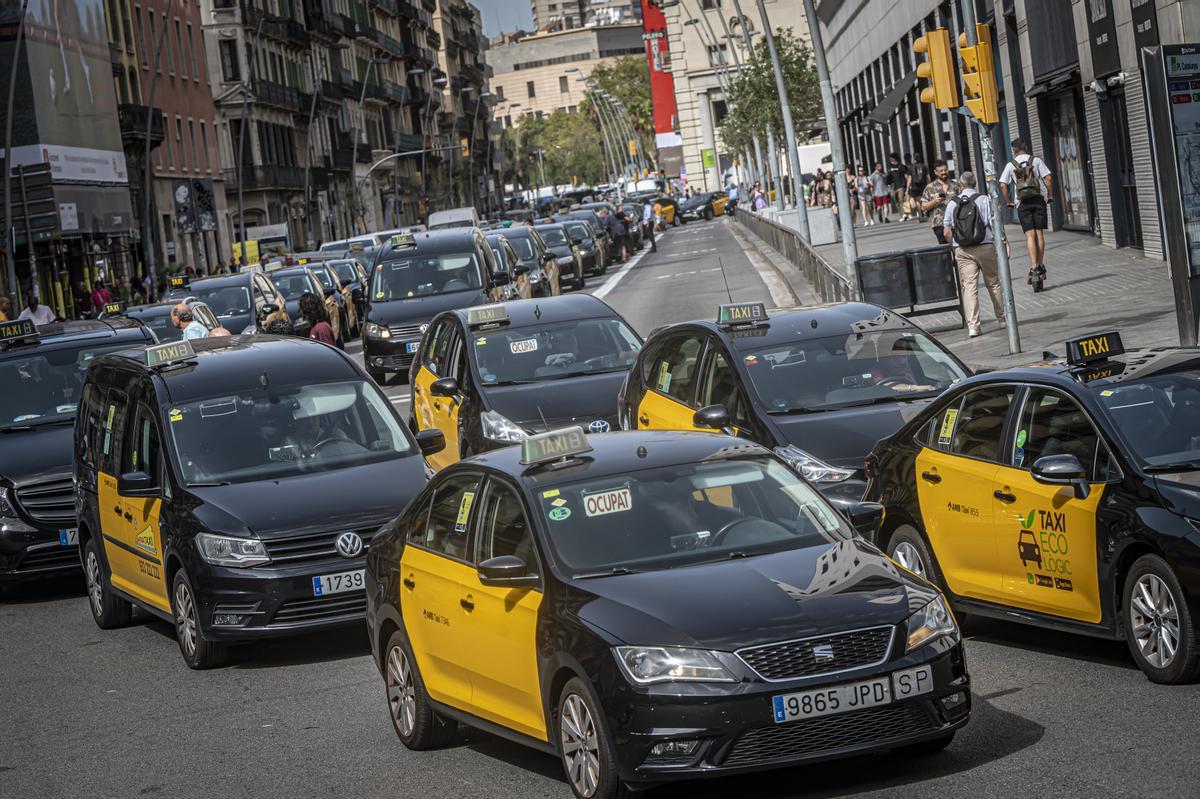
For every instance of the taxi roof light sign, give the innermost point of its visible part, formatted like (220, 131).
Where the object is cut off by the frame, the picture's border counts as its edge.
(403, 241)
(177, 281)
(491, 315)
(114, 308)
(17, 330)
(553, 446)
(166, 354)
(1090, 349)
(742, 313)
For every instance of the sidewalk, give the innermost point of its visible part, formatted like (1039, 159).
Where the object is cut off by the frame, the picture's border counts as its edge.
(1089, 288)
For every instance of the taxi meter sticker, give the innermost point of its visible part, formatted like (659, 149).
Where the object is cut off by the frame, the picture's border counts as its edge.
(464, 512)
(947, 431)
(523, 346)
(606, 502)
(664, 377)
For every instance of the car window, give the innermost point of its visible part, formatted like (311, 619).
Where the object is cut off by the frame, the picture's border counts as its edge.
(504, 530)
(675, 365)
(522, 246)
(973, 426)
(1053, 424)
(88, 424)
(449, 517)
(113, 424)
(719, 384)
(436, 349)
(142, 452)
(554, 351)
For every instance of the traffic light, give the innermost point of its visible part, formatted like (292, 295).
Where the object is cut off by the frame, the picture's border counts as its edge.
(464, 147)
(979, 76)
(938, 69)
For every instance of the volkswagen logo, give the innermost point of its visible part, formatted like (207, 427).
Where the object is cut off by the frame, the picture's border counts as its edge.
(349, 545)
(599, 426)
(823, 653)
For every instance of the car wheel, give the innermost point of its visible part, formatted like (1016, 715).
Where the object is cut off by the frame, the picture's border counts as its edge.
(108, 609)
(708, 214)
(1159, 627)
(908, 548)
(198, 650)
(413, 718)
(585, 746)
(925, 747)
(580, 282)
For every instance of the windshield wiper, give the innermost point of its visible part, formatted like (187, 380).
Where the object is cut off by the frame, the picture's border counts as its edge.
(509, 383)
(207, 485)
(796, 410)
(586, 372)
(32, 423)
(607, 573)
(1181, 466)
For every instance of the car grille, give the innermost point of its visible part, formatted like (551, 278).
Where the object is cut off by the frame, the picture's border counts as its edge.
(405, 330)
(791, 659)
(56, 558)
(799, 738)
(312, 546)
(322, 608)
(52, 502)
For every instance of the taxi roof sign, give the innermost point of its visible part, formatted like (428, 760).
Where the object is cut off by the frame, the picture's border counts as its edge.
(742, 313)
(554, 445)
(482, 315)
(17, 330)
(1090, 349)
(356, 246)
(165, 354)
(113, 308)
(177, 281)
(403, 241)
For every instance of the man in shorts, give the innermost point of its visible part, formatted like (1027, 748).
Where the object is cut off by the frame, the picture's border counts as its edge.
(879, 190)
(1033, 192)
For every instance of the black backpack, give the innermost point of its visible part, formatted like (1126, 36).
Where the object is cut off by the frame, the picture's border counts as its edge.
(920, 174)
(970, 227)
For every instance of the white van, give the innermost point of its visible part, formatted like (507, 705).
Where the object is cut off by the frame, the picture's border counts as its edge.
(455, 217)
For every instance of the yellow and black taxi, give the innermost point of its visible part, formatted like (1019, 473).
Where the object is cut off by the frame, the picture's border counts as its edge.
(491, 375)
(293, 282)
(655, 606)
(232, 486)
(243, 302)
(1065, 495)
(703, 205)
(41, 379)
(415, 277)
(593, 249)
(158, 316)
(819, 386)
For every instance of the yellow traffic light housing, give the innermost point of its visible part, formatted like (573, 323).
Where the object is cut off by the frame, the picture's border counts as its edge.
(979, 76)
(938, 69)
(464, 147)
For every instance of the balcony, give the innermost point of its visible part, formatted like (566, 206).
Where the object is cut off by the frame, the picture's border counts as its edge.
(374, 91)
(406, 142)
(389, 44)
(321, 25)
(283, 97)
(406, 9)
(433, 39)
(318, 178)
(264, 177)
(342, 159)
(345, 25)
(386, 6)
(332, 91)
(417, 96)
(364, 153)
(282, 29)
(429, 5)
(135, 120)
(473, 73)
(394, 92)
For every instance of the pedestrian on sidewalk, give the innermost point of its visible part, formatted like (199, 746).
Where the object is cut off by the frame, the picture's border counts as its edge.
(968, 223)
(861, 186)
(734, 193)
(936, 196)
(918, 178)
(897, 178)
(758, 198)
(1032, 184)
(879, 193)
(648, 225)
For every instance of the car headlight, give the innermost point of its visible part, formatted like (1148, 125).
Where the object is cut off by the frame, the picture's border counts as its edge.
(929, 623)
(377, 331)
(250, 330)
(646, 665)
(220, 550)
(498, 428)
(812, 468)
(9, 521)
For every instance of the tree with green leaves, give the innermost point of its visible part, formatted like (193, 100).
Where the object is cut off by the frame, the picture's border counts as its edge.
(628, 79)
(754, 104)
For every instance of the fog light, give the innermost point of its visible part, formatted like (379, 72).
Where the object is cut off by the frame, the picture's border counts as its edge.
(377, 361)
(674, 748)
(228, 620)
(953, 700)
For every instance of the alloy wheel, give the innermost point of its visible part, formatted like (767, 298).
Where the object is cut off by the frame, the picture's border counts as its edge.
(907, 556)
(580, 745)
(185, 618)
(1155, 620)
(94, 584)
(402, 693)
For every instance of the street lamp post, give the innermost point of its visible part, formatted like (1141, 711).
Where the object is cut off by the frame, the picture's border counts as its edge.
(439, 83)
(607, 147)
(10, 263)
(471, 145)
(147, 205)
(789, 128)
(362, 98)
(607, 128)
(625, 162)
(312, 118)
(243, 131)
(743, 23)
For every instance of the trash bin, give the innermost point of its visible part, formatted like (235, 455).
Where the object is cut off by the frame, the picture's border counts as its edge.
(934, 274)
(884, 279)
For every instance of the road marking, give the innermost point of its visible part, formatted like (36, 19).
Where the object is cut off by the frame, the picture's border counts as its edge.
(604, 290)
(781, 293)
(400, 398)
(684, 274)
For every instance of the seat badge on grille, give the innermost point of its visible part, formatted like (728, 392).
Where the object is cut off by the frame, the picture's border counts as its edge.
(823, 653)
(349, 545)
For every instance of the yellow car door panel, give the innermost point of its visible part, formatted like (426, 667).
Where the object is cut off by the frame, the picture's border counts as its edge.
(430, 588)
(148, 540)
(114, 529)
(666, 401)
(438, 413)
(656, 412)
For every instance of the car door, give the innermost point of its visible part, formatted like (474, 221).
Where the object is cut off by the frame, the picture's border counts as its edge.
(501, 622)
(1046, 538)
(667, 403)
(718, 383)
(114, 526)
(440, 413)
(142, 453)
(434, 568)
(955, 476)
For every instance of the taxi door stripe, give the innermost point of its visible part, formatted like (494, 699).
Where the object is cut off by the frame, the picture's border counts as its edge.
(134, 550)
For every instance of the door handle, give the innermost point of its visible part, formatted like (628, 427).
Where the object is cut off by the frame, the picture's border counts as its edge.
(467, 603)
(117, 511)
(644, 420)
(416, 389)
(409, 583)
(1004, 496)
(931, 477)
(437, 406)
(128, 517)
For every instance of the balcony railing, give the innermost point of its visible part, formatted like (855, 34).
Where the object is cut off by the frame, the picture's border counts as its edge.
(389, 44)
(433, 39)
(265, 177)
(395, 92)
(343, 158)
(284, 97)
(136, 119)
(282, 29)
(409, 141)
(364, 153)
(472, 73)
(387, 6)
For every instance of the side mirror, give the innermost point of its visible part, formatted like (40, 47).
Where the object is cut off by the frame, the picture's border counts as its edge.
(329, 292)
(445, 387)
(548, 257)
(506, 571)
(1062, 470)
(431, 442)
(865, 517)
(269, 309)
(136, 484)
(712, 416)
(520, 269)
(500, 279)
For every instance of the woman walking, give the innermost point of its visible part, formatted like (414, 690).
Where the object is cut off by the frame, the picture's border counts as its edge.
(313, 311)
(861, 186)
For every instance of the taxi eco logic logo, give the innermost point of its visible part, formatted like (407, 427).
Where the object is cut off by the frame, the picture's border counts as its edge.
(1045, 546)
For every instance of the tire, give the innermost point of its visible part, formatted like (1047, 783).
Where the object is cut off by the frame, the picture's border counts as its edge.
(198, 650)
(108, 610)
(581, 282)
(708, 215)
(908, 548)
(416, 724)
(1154, 610)
(592, 774)
(925, 748)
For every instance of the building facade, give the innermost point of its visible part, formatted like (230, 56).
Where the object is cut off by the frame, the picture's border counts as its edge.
(464, 174)
(549, 15)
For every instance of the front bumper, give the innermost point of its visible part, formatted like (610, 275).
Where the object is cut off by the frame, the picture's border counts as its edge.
(45, 552)
(389, 354)
(736, 732)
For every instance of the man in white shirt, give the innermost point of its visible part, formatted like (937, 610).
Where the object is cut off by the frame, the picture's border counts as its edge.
(974, 257)
(181, 317)
(40, 315)
(1032, 187)
(648, 224)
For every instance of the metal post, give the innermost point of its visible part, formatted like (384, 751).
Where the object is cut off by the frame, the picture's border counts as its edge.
(626, 136)
(10, 262)
(312, 117)
(789, 128)
(542, 165)
(148, 222)
(609, 131)
(988, 174)
(247, 90)
(605, 133)
(763, 166)
(471, 146)
(773, 154)
(362, 98)
(841, 185)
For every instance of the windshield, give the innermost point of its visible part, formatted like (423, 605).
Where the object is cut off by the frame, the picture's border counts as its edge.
(523, 247)
(345, 271)
(426, 275)
(45, 384)
(1159, 416)
(678, 515)
(292, 286)
(225, 301)
(323, 276)
(554, 235)
(159, 321)
(565, 349)
(283, 431)
(856, 369)
(580, 231)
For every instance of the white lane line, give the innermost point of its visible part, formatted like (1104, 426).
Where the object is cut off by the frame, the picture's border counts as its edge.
(400, 398)
(604, 290)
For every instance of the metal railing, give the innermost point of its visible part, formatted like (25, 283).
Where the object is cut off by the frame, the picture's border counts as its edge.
(828, 283)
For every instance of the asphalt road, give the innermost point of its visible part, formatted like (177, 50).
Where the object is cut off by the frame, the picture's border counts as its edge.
(117, 714)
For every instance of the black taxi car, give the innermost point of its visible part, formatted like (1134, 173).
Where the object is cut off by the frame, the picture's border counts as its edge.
(232, 486)
(1065, 495)
(242, 302)
(158, 316)
(414, 278)
(41, 377)
(819, 385)
(491, 375)
(561, 594)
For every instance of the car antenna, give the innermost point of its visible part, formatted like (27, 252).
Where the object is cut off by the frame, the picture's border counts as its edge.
(544, 422)
(724, 277)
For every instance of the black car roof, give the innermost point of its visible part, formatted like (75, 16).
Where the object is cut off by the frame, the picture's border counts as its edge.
(441, 240)
(1134, 364)
(76, 331)
(842, 318)
(548, 310)
(289, 271)
(516, 231)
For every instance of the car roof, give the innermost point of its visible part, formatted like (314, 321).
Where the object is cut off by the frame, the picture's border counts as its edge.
(440, 240)
(290, 270)
(154, 308)
(1133, 364)
(77, 331)
(517, 231)
(548, 310)
(819, 321)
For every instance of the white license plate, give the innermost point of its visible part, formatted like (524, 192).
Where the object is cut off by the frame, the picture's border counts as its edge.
(853, 696)
(68, 536)
(338, 583)
(413, 346)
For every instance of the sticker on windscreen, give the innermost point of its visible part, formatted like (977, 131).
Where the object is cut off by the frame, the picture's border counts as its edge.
(464, 512)
(664, 377)
(606, 502)
(559, 514)
(523, 346)
(947, 431)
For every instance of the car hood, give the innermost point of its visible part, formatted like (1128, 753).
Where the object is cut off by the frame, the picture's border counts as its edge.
(576, 400)
(560, 250)
(352, 498)
(1180, 492)
(42, 453)
(737, 603)
(422, 309)
(843, 438)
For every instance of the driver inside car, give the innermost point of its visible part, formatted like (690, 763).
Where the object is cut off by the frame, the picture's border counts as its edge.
(315, 431)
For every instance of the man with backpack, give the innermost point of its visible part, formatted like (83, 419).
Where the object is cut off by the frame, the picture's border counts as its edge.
(968, 224)
(1032, 183)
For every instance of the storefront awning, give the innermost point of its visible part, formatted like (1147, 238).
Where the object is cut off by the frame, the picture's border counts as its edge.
(883, 113)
